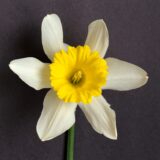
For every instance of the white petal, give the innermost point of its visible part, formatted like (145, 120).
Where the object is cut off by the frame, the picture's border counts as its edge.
(56, 117)
(65, 46)
(52, 35)
(124, 76)
(32, 71)
(98, 37)
(101, 117)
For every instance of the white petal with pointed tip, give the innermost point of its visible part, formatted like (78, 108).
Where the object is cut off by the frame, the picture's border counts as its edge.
(101, 117)
(124, 76)
(98, 37)
(56, 117)
(32, 71)
(52, 35)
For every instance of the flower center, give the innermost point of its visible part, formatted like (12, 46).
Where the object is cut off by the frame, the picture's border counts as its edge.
(78, 74)
(77, 77)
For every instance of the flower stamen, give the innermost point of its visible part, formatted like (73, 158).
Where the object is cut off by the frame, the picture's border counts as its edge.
(77, 77)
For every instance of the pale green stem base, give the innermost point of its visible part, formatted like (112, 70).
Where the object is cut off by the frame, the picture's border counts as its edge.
(70, 143)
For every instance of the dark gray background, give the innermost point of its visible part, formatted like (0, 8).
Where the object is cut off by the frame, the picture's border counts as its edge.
(134, 27)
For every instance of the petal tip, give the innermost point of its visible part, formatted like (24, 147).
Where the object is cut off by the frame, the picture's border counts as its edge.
(98, 22)
(101, 20)
(145, 79)
(49, 15)
(11, 65)
(113, 135)
(41, 136)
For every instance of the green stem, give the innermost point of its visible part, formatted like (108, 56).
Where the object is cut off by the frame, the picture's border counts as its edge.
(70, 143)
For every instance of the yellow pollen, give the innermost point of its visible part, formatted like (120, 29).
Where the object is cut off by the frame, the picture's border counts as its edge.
(78, 74)
(77, 77)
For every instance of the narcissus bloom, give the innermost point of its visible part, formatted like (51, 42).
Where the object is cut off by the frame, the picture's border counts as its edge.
(76, 76)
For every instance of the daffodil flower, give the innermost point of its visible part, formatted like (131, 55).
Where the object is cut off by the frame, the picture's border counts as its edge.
(77, 76)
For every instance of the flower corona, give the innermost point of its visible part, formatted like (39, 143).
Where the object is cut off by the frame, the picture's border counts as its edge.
(78, 74)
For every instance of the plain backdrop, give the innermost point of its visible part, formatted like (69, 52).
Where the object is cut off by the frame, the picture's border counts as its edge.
(134, 28)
